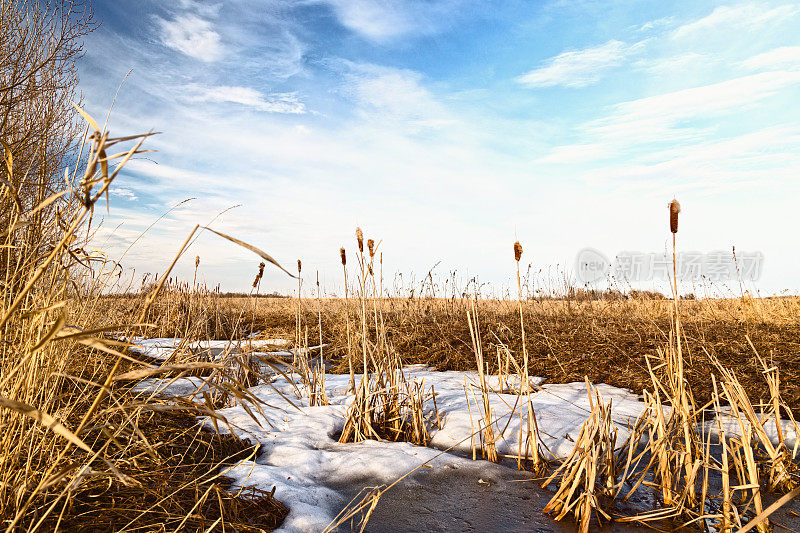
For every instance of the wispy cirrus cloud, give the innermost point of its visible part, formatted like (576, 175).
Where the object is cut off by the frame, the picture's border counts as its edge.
(397, 95)
(579, 68)
(384, 20)
(678, 117)
(758, 157)
(287, 103)
(656, 24)
(785, 56)
(749, 16)
(664, 117)
(675, 65)
(123, 192)
(191, 35)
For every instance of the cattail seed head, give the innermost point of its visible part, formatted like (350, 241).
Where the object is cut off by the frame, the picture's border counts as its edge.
(674, 209)
(259, 275)
(197, 261)
(299, 266)
(517, 251)
(371, 247)
(344, 256)
(360, 239)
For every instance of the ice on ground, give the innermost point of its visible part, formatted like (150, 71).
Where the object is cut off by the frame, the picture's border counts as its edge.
(560, 410)
(731, 425)
(302, 459)
(162, 348)
(172, 387)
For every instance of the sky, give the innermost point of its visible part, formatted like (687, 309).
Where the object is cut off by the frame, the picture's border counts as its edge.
(447, 130)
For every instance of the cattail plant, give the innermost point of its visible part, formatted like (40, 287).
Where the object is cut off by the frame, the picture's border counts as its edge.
(352, 383)
(531, 435)
(674, 210)
(779, 464)
(362, 296)
(196, 265)
(319, 317)
(386, 405)
(299, 307)
(256, 286)
(358, 424)
(259, 275)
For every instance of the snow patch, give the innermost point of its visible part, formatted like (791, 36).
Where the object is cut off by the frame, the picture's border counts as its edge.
(302, 460)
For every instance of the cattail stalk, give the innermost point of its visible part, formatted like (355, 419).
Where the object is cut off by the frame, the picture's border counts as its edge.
(682, 401)
(259, 275)
(298, 336)
(352, 383)
(256, 287)
(196, 264)
(319, 317)
(532, 443)
(674, 210)
(362, 297)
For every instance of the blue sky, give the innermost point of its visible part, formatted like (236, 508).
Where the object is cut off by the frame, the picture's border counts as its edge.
(449, 129)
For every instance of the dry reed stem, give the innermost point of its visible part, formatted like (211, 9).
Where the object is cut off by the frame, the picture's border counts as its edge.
(589, 470)
(488, 448)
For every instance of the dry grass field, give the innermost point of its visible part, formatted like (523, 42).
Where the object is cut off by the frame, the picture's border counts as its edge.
(605, 340)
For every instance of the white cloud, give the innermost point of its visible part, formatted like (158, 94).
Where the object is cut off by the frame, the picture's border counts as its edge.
(664, 22)
(579, 68)
(387, 20)
(287, 103)
(785, 56)
(740, 17)
(754, 159)
(675, 65)
(395, 94)
(659, 118)
(123, 192)
(202, 7)
(193, 36)
(670, 117)
(176, 180)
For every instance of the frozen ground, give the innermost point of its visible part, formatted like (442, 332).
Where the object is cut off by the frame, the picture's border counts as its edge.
(301, 456)
(302, 459)
(163, 347)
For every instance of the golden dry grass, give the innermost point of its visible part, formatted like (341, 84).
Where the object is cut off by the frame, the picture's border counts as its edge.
(604, 340)
(79, 449)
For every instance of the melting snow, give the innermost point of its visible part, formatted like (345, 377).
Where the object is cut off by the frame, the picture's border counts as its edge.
(162, 348)
(302, 459)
